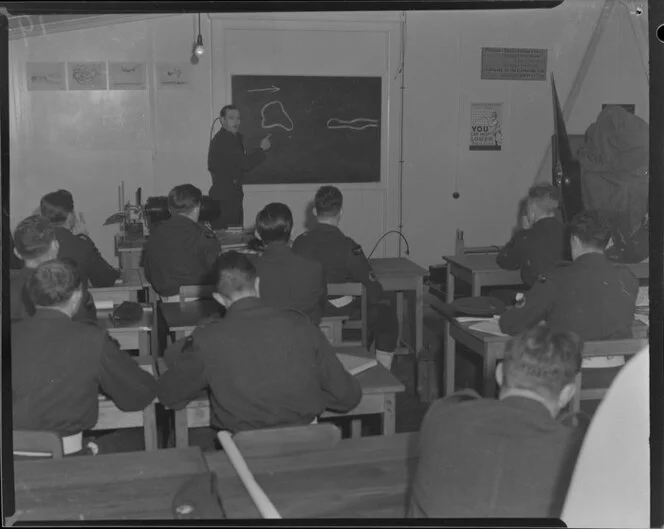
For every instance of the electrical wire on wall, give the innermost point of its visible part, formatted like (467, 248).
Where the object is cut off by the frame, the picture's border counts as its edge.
(401, 73)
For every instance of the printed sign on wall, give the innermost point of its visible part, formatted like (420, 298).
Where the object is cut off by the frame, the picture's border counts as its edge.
(174, 75)
(87, 76)
(486, 126)
(126, 75)
(514, 64)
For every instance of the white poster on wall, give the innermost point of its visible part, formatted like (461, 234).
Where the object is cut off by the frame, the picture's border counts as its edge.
(486, 121)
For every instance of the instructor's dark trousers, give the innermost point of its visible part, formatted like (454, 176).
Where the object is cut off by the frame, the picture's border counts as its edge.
(230, 198)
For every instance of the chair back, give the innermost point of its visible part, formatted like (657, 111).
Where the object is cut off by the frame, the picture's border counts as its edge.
(626, 347)
(270, 442)
(196, 292)
(354, 289)
(37, 443)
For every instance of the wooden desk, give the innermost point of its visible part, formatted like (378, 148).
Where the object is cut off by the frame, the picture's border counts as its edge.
(126, 486)
(130, 336)
(379, 389)
(132, 283)
(358, 478)
(482, 270)
(113, 418)
(491, 349)
(398, 274)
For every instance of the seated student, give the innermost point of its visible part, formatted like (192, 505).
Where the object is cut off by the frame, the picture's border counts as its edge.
(59, 365)
(58, 207)
(505, 458)
(264, 366)
(344, 261)
(179, 251)
(590, 296)
(541, 243)
(287, 280)
(35, 244)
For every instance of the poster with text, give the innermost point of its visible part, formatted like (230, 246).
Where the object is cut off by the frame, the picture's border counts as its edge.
(486, 126)
(174, 75)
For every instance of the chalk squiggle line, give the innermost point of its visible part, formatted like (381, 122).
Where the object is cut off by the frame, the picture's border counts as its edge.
(349, 124)
(263, 125)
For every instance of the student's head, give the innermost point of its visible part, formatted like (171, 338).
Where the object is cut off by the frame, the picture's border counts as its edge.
(328, 203)
(541, 364)
(230, 118)
(590, 232)
(542, 202)
(56, 285)
(58, 207)
(185, 200)
(236, 278)
(34, 241)
(274, 223)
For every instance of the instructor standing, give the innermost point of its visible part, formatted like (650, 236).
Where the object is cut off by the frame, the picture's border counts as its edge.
(227, 161)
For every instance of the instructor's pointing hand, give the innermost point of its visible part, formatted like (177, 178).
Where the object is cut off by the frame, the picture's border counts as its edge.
(265, 143)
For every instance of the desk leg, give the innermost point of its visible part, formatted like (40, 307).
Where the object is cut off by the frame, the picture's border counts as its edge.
(356, 428)
(489, 378)
(576, 401)
(390, 415)
(419, 318)
(400, 313)
(181, 429)
(150, 428)
(450, 346)
(477, 287)
(144, 344)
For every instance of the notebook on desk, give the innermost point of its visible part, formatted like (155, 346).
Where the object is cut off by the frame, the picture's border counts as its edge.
(488, 326)
(356, 364)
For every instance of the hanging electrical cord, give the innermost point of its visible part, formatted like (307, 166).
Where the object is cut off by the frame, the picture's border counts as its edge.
(401, 235)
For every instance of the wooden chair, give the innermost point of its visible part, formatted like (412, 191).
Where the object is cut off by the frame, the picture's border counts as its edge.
(112, 418)
(196, 292)
(288, 440)
(625, 347)
(353, 289)
(37, 444)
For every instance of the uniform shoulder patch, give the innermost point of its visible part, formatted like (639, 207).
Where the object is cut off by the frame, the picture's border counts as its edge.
(84, 237)
(357, 249)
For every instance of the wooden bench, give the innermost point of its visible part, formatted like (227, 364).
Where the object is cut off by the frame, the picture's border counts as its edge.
(37, 443)
(332, 327)
(353, 289)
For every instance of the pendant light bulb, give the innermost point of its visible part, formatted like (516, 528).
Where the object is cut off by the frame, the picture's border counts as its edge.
(199, 50)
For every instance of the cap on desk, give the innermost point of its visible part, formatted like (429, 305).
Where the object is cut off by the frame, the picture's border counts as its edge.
(479, 306)
(128, 312)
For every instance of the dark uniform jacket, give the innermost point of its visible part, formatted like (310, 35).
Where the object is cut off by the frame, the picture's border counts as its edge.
(265, 367)
(342, 258)
(290, 281)
(58, 368)
(227, 161)
(22, 307)
(592, 297)
(81, 250)
(178, 253)
(493, 458)
(535, 250)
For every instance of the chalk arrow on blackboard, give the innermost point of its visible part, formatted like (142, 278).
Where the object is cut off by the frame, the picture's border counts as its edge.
(273, 89)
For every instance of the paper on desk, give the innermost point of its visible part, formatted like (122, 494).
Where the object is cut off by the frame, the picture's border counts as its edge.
(643, 318)
(467, 319)
(643, 297)
(489, 327)
(103, 304)
(342, 301)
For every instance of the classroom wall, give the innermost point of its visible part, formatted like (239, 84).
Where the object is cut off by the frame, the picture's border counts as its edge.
(89, 142)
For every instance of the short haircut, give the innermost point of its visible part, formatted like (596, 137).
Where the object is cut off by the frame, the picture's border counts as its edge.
(184, 198)
(33, 236)
(328, 201)
(592, 228)
(57, 206)
(225, 109)
(274, 223)
(546, 196)
(235, 273)
(542, 361)
(53, 283)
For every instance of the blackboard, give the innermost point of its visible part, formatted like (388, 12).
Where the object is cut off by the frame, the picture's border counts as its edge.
(323, 129)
